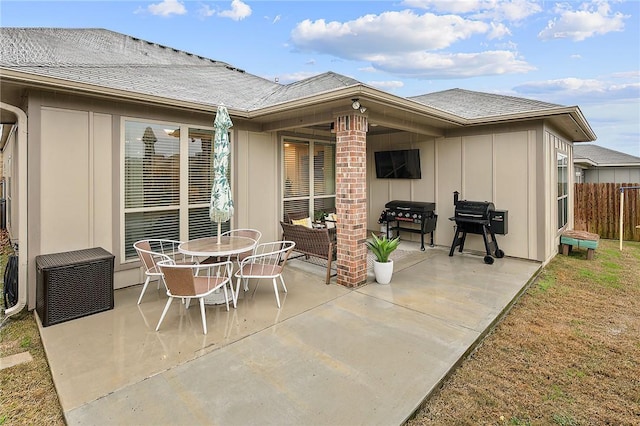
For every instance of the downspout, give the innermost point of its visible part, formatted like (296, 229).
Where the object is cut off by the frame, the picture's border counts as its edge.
(23, 249)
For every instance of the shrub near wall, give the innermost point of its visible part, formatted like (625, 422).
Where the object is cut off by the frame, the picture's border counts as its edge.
(597, 210)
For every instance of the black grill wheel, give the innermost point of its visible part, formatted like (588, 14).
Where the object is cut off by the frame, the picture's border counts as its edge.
(488, 260)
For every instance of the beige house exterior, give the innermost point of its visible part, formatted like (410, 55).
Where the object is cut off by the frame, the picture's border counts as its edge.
(65, 152)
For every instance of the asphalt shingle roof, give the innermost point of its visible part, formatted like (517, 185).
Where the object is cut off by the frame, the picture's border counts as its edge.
(602, 156)
(117, 61)
(472, 105)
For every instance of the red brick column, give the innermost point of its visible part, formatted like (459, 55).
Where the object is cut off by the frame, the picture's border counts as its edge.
(351, 198)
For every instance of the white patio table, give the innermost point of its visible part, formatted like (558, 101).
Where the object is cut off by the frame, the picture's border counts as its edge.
(226, 246)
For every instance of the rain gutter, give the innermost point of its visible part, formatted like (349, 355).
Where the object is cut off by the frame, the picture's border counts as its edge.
(23, 200)
(573, 111)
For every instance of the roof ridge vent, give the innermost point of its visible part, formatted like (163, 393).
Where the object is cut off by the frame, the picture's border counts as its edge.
(230, 68)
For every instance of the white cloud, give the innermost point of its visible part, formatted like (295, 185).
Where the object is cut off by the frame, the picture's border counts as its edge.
(205, 11)
(632, 75)
(452, 65)
(624, 86)
(513, 11)
(238, 11)
(591, 20)
(293, 77)
(167, 8)
(388, 32)
(446, 6)
(386, 85)
(407, 44)
(495, 10)
(498, 31)
(367, 69)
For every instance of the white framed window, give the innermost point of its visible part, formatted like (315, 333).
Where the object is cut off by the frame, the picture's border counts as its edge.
(309, 176)
(167, 174)
(563, 189)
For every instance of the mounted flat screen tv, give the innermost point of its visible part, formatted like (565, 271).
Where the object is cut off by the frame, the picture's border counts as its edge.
(399, 164)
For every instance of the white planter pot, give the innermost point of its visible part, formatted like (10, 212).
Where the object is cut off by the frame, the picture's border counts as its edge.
(383, 271)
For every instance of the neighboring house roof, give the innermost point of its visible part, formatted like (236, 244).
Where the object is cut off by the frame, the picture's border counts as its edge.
(598, 156)
(113, 64)
(470, 105)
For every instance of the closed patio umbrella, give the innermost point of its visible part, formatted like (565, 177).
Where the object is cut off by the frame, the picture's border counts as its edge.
(221, 205)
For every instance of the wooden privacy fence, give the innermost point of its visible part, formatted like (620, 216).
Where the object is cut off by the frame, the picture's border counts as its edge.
(597, 210)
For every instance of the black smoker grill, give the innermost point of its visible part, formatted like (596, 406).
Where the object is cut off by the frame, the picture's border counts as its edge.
(411, 212)
(479, 217)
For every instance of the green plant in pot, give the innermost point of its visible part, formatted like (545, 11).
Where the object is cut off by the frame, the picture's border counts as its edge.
(382, 249)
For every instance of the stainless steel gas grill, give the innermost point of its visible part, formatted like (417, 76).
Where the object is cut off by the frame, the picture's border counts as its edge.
(479, 217)
(404, 212)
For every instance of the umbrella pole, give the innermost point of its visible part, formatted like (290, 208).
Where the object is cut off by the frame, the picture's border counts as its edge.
(219, 227)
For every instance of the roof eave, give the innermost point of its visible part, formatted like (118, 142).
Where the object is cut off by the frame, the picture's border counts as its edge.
(584, 131)
(36, 80)
(367, 96)
(618, 164)
(585, 162)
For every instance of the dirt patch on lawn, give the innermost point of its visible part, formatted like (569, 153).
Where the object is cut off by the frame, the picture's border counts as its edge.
(27, 393)
(568, 353)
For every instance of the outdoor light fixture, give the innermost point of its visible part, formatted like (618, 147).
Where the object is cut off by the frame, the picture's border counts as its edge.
(356, 105)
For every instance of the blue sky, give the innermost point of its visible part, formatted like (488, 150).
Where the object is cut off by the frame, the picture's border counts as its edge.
(584, 53)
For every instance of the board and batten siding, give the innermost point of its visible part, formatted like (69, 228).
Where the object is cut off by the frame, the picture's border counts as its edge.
(500, 168)
(612, 175)
(381, 191)
(256, 183)
(74, 198)
(75, 180)
(496, 167)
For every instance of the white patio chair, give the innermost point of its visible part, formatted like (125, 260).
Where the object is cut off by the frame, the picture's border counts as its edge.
(152, 251)
(267, 261)
(195, 282)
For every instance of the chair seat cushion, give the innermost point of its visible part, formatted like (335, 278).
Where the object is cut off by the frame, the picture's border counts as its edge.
(306, 222)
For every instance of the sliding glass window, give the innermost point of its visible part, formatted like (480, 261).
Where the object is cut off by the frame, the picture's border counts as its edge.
(308, 177)
(563, 190)
(167, 182)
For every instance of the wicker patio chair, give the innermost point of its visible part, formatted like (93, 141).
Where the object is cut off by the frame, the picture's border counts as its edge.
(319, 243)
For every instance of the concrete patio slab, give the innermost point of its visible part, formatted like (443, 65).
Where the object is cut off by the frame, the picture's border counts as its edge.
(330, 356)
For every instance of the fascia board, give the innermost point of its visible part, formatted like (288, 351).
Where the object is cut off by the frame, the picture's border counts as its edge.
(574, 112)
(367, 97)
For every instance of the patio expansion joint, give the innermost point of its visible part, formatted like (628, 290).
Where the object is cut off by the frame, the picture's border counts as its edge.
(279, 323)
(417, 311)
